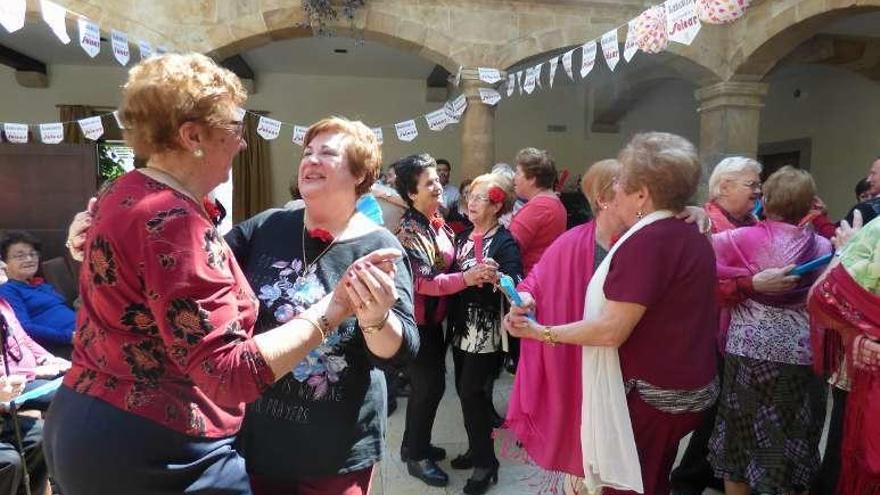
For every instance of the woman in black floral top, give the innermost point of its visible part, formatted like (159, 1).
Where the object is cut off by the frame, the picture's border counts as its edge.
(477, 336)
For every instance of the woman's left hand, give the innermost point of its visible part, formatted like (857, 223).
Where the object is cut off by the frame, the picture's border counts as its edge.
(697, 215)
(866, 354)
(372, 292)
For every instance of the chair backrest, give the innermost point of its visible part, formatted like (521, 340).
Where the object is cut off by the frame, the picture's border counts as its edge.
(64, 276)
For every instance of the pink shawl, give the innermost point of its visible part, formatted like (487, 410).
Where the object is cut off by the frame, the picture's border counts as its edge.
(769, 244)
(544, 412)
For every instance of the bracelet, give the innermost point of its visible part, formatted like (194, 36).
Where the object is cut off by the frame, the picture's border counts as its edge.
(314, 324)
(547, 336)
(371, 329)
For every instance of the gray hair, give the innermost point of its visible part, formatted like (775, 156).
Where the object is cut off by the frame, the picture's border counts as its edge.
(504, 169)
(726, 169)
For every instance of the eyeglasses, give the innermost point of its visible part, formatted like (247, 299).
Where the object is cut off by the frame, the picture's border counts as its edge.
(23, 256)
(753, 185)
(482, 198)
(234, 126)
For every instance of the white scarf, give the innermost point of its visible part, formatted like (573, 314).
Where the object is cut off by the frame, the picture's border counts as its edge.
(607, 442)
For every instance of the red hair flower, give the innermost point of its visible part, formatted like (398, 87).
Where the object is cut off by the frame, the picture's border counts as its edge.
(496, 195)
(437, 222)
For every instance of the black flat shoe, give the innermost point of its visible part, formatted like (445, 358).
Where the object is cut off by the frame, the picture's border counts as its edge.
(481, 480)
(428, 471)
(435, 453)
(463, 461)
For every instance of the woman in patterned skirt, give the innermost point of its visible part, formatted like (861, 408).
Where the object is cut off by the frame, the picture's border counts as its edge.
(772, 406)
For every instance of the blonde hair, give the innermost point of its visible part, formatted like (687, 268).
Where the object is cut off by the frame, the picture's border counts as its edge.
(666, 164)
(728, 168)
(495, 179)
(789, 193)
(362, 150)
(598, 181)
(165, 91)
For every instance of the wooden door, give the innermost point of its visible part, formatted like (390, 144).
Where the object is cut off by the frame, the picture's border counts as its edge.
(42, 186)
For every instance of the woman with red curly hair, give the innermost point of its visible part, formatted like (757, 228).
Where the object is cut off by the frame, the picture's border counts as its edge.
(477, 337)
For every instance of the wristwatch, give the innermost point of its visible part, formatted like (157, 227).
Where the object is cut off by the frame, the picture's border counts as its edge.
(547, 336)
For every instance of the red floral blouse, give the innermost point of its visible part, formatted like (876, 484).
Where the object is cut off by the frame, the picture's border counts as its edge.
(166, 321)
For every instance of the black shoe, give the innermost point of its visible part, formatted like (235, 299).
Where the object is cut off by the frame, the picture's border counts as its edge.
(463, 461)
(480, 481)
(428, 471)
(435, 453)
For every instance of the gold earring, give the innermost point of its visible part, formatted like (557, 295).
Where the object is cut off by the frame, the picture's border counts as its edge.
(640, 215)
(198, 153)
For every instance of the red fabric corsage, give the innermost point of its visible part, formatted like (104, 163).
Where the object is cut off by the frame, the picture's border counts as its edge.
(211, 209)
(321, 235)
(437, 222)
(496, 195)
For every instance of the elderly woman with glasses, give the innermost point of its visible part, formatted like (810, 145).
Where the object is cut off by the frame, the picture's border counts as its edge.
(40, 309)
(165, 356)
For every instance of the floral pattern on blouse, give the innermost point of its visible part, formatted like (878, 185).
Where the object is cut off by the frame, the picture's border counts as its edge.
(287, 298)
(102, 262)
(770, 333)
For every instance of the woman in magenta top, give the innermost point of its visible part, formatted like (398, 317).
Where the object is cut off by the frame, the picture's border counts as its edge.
(651, 299)
(164, 355)
(537, 224)
(429, 246)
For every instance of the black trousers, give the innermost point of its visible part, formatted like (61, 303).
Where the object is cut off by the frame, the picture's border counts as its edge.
(427, 378)
(694, 474)
(11, 467)
(473, 372)
(829, 472)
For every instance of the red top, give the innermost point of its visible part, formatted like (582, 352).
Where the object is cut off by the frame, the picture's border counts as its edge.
(535, 226)
(668, 267)
(165, 326)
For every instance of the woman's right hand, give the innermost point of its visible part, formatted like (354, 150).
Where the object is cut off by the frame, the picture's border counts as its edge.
(481, 273)
(11, 387)
(76, 233)
(845, 232)
(340, 305)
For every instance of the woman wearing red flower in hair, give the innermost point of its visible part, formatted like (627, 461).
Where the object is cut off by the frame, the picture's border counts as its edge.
(475, 320)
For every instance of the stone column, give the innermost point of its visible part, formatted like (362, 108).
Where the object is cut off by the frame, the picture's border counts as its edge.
(730, 115)
(477, 127)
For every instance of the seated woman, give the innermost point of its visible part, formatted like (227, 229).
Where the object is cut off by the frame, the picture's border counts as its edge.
(844, 306)
(40, 309)
(772, 406)
(656, 285)
(26, 357)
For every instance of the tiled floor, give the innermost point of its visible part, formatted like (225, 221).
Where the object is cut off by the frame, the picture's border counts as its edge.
(392, 478)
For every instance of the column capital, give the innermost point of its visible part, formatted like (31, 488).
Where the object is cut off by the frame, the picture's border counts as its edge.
(740, 94)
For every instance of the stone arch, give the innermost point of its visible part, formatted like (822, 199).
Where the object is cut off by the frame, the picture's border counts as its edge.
(287, 23)
(771, 32)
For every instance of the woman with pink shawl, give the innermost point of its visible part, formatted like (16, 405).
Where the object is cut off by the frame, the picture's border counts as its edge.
(544, 411)
(772, 406)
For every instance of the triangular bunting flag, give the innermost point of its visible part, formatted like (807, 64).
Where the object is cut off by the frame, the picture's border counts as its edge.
(119, 41)
(554, 64)
(12, 14)
(299, 134)
(51, 133)
(588, 57)
(489, 76)
(566, 63)
(268, 129)
(610, 49)
(632, 41)
(489, 96)
(89, 37)
(407, 130)
(682, 21)
(437, 120)
(92, 128)
(16, 133)
(54, 15)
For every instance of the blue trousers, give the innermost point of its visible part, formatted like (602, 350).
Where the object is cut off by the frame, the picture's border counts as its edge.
(94, 448)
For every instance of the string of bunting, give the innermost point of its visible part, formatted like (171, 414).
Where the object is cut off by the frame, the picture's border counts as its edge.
(673, 20)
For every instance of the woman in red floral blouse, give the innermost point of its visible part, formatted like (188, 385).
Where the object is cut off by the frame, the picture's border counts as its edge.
(164, 357)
